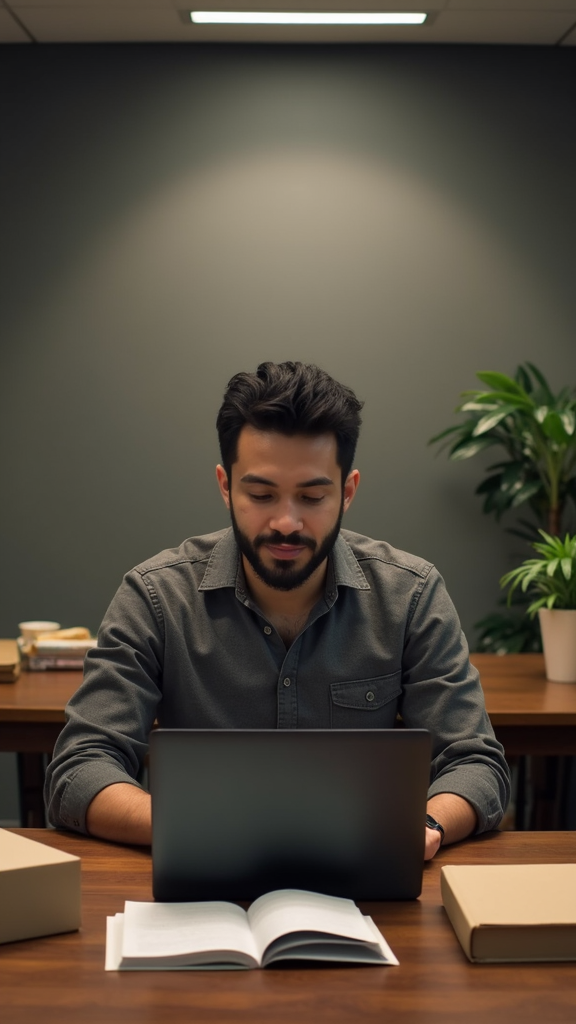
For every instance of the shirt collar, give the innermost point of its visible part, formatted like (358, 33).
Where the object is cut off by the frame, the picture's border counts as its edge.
(224, 568)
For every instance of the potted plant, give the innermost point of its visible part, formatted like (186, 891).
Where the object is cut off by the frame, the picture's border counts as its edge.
(551, 581)
(535, 429)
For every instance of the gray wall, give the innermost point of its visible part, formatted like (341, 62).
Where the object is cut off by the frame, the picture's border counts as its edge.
(402, 216)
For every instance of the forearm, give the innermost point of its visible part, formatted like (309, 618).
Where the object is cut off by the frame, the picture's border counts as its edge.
(457, 817)
(121, 813)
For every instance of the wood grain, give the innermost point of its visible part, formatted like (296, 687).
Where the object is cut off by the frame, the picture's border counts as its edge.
(61, 979)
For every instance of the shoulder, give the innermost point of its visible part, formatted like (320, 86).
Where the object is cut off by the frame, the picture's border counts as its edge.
(193, 551)
(381, 558)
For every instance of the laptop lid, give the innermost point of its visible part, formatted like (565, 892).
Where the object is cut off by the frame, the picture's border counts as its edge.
(237, 813)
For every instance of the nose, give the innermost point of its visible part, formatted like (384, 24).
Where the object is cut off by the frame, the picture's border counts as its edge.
(286, 519)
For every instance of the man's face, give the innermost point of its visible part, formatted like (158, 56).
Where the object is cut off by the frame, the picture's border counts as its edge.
(286, 503)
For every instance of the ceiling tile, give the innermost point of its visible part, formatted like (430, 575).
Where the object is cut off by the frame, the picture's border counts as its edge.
(549, 6)
(543, 28)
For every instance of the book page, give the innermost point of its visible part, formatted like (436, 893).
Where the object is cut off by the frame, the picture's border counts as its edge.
(294, 910)
(176, 929)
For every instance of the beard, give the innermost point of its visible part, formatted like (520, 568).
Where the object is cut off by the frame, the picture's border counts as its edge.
(284, 575)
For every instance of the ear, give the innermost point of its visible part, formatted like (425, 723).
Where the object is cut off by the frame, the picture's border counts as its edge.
(223, 484)
(350, 488)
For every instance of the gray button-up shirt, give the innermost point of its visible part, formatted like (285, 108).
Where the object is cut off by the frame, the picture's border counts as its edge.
(183, 643)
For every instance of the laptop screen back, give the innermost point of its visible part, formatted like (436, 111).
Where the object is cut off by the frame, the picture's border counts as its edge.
(239, 813)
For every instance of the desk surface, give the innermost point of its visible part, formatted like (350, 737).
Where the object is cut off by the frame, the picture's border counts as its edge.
(517, 692)
(62, 978)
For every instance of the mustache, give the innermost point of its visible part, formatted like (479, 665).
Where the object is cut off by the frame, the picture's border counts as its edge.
(276, 538)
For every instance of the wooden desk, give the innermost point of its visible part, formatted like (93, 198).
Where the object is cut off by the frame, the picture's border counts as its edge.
(62, 978)
(530, 714)
(32, 710)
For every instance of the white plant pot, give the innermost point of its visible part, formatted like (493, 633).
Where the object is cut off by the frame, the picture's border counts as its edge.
(559, 641)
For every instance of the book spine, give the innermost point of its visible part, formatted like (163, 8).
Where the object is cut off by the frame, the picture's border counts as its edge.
(45, 664)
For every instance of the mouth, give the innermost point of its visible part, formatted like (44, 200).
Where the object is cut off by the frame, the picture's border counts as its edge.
(285, 552)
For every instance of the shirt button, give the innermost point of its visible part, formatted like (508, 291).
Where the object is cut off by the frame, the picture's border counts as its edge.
(267, 630)
(286, 681)
(370, 695)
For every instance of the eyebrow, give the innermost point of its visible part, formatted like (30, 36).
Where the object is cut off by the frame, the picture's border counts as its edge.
(317, 481)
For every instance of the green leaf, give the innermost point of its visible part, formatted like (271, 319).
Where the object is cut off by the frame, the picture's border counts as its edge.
(445, 433)
(552, 566)
(568, 421)
(566, 564)
(492, 419)
(512, 478)
(553, 541)
(497, 501)
(541, 380)
(476, 407)
(524, 380)
(526, 492)
(539, 603)
(532, 573)
(554, 428)
(492, 483)
(500, 382)
(470, 448)
(489, 398)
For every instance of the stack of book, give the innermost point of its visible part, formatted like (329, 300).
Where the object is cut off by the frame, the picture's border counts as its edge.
(9, 661)
(61, 649)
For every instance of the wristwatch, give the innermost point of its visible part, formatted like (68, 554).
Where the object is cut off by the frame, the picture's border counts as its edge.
(433, 824)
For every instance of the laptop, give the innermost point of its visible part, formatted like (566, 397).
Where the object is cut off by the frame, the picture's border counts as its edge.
(238, 813)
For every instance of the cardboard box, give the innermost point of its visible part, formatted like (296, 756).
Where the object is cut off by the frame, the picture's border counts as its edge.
(39, 889)
(512, 912)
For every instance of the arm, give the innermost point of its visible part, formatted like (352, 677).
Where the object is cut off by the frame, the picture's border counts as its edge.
(105, 740)
(121, 813)
(469, 778)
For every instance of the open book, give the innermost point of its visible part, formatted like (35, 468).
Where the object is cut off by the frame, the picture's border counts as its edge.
(288, 924)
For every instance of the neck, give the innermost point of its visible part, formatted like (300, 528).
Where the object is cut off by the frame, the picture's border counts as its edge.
(295, 602)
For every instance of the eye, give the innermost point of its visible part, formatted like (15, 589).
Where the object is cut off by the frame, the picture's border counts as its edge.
(309, 500)
(260, 497)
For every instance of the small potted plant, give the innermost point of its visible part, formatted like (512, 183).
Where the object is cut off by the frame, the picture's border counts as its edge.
(552, 579)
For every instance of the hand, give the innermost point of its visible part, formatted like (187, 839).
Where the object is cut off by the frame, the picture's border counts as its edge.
(432, 842)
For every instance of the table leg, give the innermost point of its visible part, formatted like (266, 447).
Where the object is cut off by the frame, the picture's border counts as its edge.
(31, 769)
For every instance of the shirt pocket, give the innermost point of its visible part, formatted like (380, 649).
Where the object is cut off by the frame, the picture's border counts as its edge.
(365, 703)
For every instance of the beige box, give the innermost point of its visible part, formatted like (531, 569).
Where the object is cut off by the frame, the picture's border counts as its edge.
(512, 912)
(39, 889)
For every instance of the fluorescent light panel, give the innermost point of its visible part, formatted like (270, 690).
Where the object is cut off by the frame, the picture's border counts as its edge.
(304, 18)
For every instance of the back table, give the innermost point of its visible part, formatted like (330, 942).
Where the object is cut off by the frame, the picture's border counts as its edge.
(530, 715)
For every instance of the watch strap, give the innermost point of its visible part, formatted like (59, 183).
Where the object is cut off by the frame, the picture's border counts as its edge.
(435, 825)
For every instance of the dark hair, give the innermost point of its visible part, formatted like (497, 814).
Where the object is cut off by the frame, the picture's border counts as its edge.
(291, 398)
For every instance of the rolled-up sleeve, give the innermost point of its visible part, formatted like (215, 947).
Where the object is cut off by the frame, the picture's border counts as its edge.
(442, 693)
(109, 718)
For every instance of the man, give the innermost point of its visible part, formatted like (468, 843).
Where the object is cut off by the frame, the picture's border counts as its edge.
(282, 621)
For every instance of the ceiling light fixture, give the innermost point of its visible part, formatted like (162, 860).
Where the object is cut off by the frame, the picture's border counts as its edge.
(304, 18)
